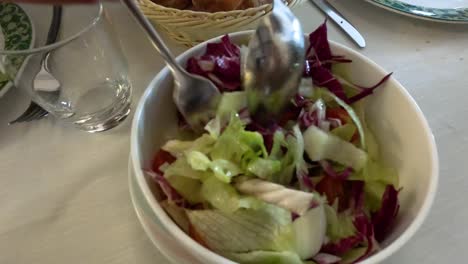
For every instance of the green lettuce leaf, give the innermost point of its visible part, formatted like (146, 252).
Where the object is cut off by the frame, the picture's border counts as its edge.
(376, 177)
(238, 145)
(3, 77)
(224, 170)
(292, 160)
(187, 187)
(198, 161)
(264, 168)
(231, 102)
(224, 196)
(267, 228)
(279, 195)
(182, 168)
(309, 232)
(177, 214)
(214, 127)
(352, 255)
(327, 95)
(177, 148)
(375, 173)
(339, 225)
(345, 132)
(279, 141)
(321, 145)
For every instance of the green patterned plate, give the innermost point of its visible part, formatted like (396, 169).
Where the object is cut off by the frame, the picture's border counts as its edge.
(449, 11)
(16, 34)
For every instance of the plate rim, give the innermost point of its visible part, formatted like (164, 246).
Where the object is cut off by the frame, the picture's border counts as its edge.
(443, 15)
(4, 89)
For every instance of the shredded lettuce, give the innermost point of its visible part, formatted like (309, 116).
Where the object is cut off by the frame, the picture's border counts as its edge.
(375, 174)
(214, 127)
(264, 168)
(3, 77)
(376, 177)
(345, 132)
(182, 168)
(220, 195)
(339, 225)
(198, 161)
(292, 160)
(357, 122)
(278, 142)
(353, 255)
(187, 187)
(224, 170)
(309, 231)
(231, 102)
(177, 214)
(267, 228)
(177, 148)
(295, 201)
(238, 145)
(321, 145)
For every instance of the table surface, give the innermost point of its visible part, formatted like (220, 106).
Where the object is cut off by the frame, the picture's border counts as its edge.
(64, 195)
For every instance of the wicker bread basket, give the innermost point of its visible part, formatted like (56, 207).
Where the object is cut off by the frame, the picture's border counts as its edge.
(192, 27)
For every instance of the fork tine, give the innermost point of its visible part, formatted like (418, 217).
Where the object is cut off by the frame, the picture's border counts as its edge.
(41, 114)
(38, 114)
(31, 108)
(28, 116)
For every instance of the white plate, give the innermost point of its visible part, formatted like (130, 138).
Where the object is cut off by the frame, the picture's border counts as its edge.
(16, 33)
(449, 11)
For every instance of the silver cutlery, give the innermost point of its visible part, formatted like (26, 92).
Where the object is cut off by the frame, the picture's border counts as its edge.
(195, 97)
(43, 80)
(349, 29)
(274, 62)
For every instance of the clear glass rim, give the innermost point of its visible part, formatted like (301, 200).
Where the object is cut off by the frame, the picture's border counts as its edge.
(55, 45)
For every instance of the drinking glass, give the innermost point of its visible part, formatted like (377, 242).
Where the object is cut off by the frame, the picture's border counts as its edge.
(94, 90)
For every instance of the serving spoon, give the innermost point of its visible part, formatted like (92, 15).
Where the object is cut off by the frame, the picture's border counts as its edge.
(196, 97)
(274, 62)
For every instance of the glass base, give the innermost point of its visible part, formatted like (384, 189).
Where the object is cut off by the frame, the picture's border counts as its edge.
(115, 117)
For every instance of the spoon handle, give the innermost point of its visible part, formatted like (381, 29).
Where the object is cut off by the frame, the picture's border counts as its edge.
(157, 41)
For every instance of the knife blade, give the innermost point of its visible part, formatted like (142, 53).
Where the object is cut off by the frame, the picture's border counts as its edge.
(351, 31)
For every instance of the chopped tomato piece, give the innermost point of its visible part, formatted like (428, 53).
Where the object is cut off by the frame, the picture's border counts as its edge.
(341, 114)
(160, 158)
(338, 113)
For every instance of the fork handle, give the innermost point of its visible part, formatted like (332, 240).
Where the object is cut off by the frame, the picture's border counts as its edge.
(54, 25)
(155, 38)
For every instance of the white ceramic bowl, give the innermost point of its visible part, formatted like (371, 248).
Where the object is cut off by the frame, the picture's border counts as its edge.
(405, 139)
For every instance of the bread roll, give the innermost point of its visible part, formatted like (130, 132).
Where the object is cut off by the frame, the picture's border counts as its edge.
(254, 3)
(178, 4)
(217, 5)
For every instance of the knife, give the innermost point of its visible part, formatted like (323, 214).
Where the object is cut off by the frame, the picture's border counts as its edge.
(330, 11)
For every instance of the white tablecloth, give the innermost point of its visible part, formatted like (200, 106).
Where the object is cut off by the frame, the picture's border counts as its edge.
(64, 195)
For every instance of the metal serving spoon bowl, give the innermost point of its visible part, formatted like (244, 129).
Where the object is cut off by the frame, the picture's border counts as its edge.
(274, 62)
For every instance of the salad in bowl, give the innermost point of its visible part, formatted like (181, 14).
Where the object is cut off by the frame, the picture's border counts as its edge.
(306, 187)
